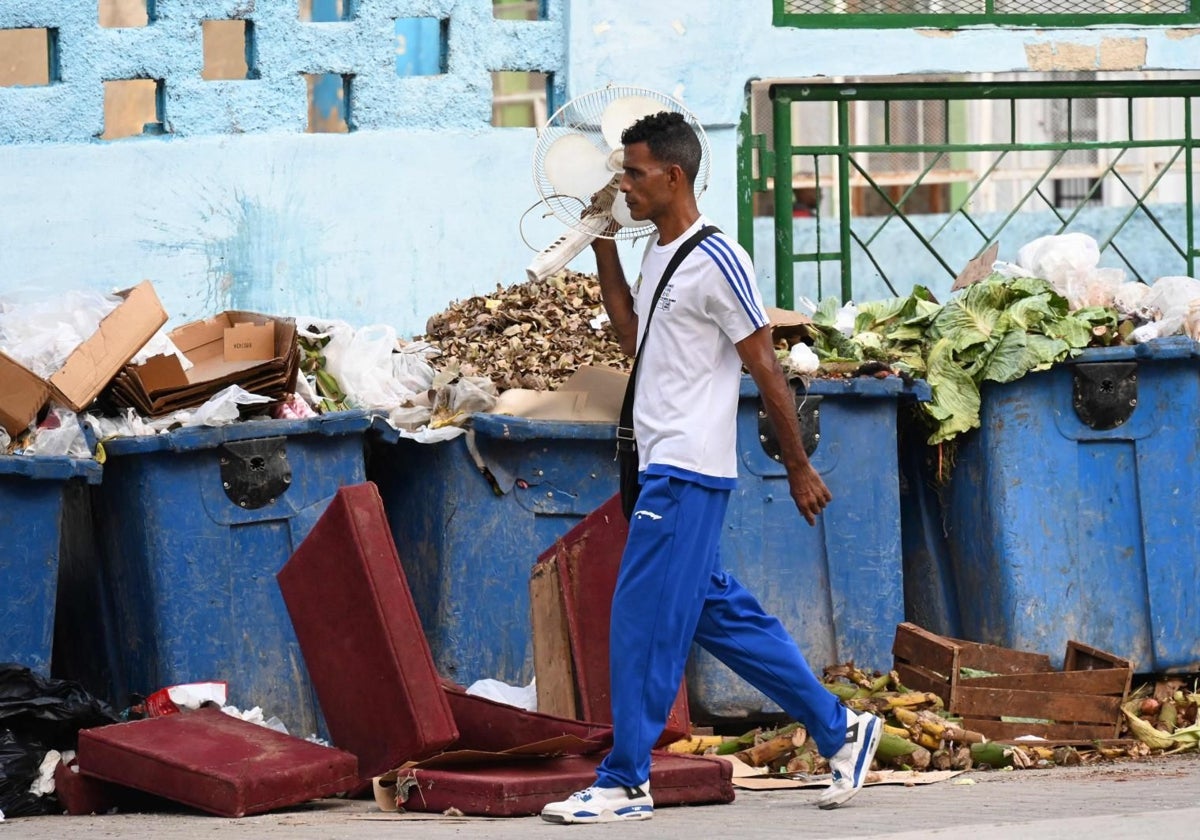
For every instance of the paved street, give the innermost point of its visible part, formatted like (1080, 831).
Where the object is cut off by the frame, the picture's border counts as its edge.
(1130, 799)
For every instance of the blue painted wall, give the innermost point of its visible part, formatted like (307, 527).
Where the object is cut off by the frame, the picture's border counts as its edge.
(235, 206)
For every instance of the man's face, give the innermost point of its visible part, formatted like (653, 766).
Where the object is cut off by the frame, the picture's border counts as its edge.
(646, 182)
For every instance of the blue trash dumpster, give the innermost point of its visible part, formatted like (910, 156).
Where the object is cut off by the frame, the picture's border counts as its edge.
(838, 586)
(38, 517)
(470, 517)
(1074, 511)
(193, 525)
(930, 597)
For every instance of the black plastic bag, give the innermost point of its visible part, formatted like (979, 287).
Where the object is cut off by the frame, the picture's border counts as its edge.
(38, 714)
(20, 761)
(48, 710)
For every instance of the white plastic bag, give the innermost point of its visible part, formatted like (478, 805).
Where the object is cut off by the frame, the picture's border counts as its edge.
(523, 697)
(844, 320)
(1070, 263)
(42, 335)
(222, 408)
(126, 424)
(801, 359)
(59, 434)
(364, 364)
(1129, 298)
(1165, 307)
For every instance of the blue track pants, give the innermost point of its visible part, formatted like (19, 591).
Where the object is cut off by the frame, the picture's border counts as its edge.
(672, 590)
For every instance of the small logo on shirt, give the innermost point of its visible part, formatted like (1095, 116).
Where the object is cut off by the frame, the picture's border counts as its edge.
(664, 302)
(638, 514)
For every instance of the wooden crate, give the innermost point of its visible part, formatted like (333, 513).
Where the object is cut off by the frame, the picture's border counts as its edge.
(1080, 702)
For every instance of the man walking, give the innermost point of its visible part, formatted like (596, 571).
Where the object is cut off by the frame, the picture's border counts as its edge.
(672, 589)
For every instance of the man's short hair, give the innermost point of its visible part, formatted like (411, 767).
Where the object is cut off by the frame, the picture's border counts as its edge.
(670, 139)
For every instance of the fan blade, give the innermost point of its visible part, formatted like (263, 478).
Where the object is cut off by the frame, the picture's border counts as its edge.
(620, 212)
(575, 167)
(624, 112)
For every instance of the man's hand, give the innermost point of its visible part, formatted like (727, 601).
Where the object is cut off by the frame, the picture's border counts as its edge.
(809, 492)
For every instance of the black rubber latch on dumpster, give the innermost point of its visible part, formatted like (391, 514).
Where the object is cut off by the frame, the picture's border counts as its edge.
(808, 412)
(255, 473)
(1105, 393)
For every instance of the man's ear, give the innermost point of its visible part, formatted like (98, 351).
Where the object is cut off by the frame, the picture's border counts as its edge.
(675, 171)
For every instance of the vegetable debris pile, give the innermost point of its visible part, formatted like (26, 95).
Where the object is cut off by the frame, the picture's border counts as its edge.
(1161, 718)
(996, 330)
(530, 335)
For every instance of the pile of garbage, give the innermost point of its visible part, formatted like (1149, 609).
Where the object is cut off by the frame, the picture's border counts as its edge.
(1001, 323)
(531, 335)
(1011, 320)
(920, 735)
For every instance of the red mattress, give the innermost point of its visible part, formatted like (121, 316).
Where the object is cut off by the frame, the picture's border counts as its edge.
(214, 762)
(520, 789)
(495, 727)
(362, 638)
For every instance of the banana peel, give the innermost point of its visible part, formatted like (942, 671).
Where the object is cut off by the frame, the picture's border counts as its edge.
(696, 744)
(1181, 740)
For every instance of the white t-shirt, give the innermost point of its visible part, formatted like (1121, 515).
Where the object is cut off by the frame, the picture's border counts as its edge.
(685, 411)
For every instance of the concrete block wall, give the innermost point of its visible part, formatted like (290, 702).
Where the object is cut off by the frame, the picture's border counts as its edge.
(234, 205)
(170, 49)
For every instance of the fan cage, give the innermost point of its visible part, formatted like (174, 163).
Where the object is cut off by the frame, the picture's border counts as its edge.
(581, 116)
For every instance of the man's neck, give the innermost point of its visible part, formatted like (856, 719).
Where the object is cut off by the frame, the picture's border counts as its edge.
(674, 224)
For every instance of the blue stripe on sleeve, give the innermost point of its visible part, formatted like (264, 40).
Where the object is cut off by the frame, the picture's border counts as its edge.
(735, 275)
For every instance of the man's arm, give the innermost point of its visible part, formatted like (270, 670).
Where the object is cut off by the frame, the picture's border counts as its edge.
(758, 355)
(614, 291)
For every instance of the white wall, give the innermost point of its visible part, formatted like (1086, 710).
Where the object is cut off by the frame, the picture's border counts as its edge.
(392, 222)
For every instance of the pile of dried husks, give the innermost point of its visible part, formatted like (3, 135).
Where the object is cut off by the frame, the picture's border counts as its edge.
(920, 735)
(531, 335)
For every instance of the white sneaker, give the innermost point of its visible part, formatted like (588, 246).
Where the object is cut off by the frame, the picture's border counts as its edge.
(602, 804)
(850, 764)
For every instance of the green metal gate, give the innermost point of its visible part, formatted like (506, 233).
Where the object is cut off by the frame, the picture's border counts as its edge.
(887, 175)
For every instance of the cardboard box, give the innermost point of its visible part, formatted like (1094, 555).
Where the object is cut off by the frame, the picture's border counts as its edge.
(255, 351)
(593, 394)
(787, 326)
(89, 368)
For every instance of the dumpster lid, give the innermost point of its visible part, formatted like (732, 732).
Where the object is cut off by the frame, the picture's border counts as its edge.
(51, 467)
(193, 438)
(1167, 347)
(860, 386)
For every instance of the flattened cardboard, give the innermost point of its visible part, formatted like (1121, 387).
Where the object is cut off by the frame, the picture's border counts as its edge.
(593, 394)
(978, 268)
(24, 394)
(89, 368)
(215, 762)
(162, 386)
(246, 342)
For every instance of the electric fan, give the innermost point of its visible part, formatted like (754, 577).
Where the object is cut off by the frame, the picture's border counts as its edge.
(577, 167)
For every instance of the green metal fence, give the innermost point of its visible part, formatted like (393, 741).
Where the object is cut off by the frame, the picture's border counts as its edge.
(884, 177)
(948, 14)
